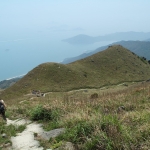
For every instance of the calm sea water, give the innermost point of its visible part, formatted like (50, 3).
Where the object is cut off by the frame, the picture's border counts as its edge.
(18, 57)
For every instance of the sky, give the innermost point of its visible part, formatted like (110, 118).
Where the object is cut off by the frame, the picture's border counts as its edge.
(31, 30)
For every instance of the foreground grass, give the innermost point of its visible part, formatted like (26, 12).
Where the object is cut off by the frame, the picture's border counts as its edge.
(118, 119)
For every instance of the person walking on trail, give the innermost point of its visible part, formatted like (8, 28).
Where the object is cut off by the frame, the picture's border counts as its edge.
(2, 109)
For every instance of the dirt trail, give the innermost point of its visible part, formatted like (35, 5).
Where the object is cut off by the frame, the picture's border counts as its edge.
(26, 139)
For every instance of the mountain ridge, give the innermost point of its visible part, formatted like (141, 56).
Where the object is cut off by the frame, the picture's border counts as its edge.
(141, 48)
(112, 66)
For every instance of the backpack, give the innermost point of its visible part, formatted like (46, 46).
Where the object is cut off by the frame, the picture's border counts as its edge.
(1, 106)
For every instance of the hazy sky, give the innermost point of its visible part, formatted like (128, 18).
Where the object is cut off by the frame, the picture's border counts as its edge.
(68, 17)
(30, 30)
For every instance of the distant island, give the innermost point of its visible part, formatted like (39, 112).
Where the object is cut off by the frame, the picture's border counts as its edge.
(82, 39)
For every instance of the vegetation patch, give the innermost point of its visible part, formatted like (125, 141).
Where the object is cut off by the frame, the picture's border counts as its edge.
(6, 132)
(77, 134)
(42, 113)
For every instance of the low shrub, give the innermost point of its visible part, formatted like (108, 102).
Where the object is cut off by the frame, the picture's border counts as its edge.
(94, 95)
(40, 113)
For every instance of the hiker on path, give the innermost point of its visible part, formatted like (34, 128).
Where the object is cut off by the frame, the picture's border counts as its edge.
(2, 109)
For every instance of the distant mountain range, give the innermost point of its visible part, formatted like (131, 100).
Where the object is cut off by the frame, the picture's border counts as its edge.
(112, 66)
(7, 83)
(85, 39)
(141, 48)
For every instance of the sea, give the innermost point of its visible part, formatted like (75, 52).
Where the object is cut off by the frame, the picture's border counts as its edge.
(19, 56)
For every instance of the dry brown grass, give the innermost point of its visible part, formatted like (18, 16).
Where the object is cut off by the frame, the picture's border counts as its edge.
(124, 110)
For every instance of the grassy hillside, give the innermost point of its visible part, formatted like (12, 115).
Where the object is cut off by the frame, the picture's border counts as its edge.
(111, 66)
(117, 119)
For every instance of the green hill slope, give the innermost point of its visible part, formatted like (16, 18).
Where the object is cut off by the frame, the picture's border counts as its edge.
(111, 66)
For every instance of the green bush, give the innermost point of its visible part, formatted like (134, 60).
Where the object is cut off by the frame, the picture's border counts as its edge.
(94, 96)
(40, 113)
(143, 59)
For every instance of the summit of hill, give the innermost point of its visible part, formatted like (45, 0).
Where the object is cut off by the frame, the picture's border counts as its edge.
(112, 66)
(141, 48)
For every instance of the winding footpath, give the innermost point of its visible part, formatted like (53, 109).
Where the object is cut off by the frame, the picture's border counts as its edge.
(26, 140)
